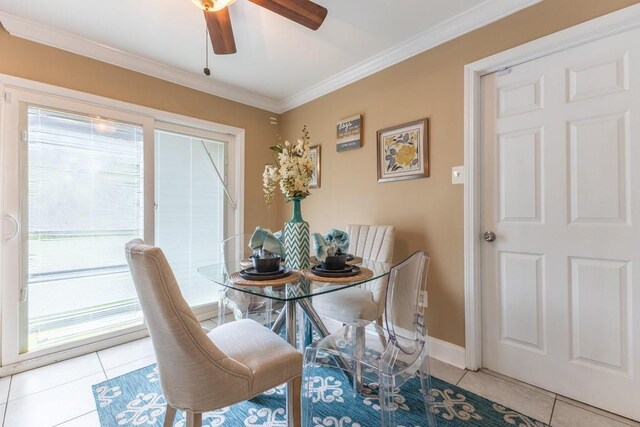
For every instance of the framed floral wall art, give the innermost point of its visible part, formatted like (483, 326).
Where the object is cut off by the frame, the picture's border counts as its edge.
(314, 152)
(403, 151)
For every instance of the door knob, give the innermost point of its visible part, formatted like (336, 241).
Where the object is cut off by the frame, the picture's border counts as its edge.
(489, 236)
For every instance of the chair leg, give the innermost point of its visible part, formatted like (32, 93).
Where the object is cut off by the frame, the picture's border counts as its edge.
(358, 345)
(425, 385)
(222, 305)
(294, 416)
(386, 401)
(269, 307)
(194, 420)
(308, 366)
(383, 340)
(170, 416)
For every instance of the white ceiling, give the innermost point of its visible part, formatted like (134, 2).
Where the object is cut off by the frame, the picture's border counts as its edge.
(279, 64)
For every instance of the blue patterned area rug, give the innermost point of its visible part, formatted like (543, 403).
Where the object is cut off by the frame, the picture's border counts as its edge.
(135, 399)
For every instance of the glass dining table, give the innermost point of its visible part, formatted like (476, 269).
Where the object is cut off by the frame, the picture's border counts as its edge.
(298, 291)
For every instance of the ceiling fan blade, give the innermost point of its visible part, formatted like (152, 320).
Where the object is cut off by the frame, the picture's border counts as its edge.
(304, 12)
(220, 31)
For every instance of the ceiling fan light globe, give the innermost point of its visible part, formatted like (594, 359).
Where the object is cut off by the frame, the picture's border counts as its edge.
(212, 5)
(221, 4)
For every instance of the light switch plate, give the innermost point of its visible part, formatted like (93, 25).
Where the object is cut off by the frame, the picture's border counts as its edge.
(457, 175)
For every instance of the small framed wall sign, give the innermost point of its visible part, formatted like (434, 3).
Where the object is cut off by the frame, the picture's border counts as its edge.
(314, 151)
(403, 151)
(349, 133)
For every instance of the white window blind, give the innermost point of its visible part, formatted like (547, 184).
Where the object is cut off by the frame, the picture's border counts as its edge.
(82, 201)
(190, 204)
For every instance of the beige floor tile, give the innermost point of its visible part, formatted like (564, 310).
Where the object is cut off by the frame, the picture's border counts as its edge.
(88, 420)
(515, 396)
(598, 411)
(125, 353)
(4, 389)
(445, 372)
(566, 415)
(229, 318)
(515, 381)
(208, 324)
(53, 375)
(53, 406)
(131, 366)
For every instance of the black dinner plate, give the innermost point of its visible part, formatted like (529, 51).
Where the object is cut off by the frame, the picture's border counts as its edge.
(316, 260)
(346, 269)
(249, 275)
(252, 271)
(346, 272)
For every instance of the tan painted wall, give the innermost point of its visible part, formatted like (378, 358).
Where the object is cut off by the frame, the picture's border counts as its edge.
(428, 213)
(33, 61)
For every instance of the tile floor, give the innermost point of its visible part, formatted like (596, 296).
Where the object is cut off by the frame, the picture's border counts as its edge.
(60, 394)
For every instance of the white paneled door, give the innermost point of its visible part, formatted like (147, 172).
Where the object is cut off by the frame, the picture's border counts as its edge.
(561, 194)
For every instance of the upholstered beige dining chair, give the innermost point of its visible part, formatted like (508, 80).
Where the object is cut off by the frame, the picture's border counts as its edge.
(202, 372)
(371, 242)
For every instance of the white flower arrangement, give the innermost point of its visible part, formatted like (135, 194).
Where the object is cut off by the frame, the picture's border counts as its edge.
(291, 170)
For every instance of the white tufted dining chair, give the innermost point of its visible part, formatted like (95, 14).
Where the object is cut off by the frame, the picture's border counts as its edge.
(371, 242)
(374, 242)
(202, 372)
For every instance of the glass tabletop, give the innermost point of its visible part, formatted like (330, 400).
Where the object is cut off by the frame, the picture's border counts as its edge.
(299, 287)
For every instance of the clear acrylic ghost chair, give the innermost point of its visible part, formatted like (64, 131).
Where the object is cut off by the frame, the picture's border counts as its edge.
(243, 305)
(356, 348)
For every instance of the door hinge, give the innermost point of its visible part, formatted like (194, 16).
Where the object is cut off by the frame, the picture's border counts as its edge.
(7, 97)
(24, 136)
(23, 294)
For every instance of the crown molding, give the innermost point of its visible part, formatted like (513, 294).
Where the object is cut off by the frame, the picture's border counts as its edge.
(479, 16)
(43, 34)
(485, 13)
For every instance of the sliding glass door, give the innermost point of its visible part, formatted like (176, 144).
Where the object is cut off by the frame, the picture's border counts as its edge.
(79, 181)
(75, 189)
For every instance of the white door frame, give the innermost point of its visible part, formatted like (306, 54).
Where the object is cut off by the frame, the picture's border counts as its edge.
(604, 26)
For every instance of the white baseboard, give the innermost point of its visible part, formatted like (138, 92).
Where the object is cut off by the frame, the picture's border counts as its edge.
(446, 352)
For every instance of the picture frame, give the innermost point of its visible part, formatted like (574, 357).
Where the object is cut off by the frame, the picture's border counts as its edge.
(403, 151)
(314, 151)
(349, 133)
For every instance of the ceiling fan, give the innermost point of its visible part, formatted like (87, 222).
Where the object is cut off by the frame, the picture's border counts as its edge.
(216, 13)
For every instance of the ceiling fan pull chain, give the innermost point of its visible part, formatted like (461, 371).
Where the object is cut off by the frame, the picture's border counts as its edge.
(207, 71)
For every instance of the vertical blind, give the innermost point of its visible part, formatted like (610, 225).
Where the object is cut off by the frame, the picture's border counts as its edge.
(190, 209)
(83, 200)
